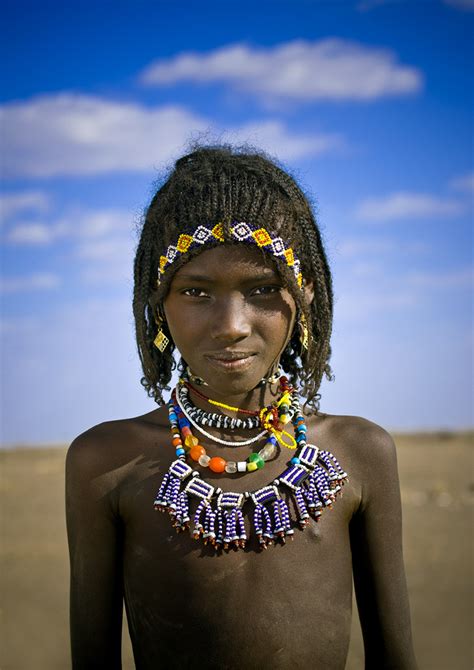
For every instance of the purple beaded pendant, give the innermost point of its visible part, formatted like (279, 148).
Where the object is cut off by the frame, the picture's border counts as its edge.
(313, 481)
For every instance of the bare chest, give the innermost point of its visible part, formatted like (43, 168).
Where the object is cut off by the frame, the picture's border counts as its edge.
(287, 606)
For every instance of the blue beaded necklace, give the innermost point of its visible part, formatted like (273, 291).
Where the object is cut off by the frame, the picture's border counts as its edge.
(313, 478)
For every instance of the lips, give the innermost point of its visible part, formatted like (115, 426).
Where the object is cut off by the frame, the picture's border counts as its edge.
(230, 355)
(230, 360)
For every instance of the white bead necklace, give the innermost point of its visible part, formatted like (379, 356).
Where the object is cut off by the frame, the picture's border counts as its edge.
(226, 443)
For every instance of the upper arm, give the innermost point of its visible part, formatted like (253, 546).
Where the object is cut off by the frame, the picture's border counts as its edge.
(376, 541)
(94, 535)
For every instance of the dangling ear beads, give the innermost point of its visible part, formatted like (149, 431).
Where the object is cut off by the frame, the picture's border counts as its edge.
(313, 480)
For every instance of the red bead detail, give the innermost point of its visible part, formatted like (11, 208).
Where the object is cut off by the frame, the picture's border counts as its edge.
(203, 397)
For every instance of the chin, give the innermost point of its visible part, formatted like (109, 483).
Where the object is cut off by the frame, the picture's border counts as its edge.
(233, 384)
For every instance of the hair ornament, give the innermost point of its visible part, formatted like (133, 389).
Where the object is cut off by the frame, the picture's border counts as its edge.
(303, 332)
(239, 232)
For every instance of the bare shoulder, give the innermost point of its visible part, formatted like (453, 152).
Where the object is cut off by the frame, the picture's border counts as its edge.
(112, 444)
(366, 450)
(360, 435)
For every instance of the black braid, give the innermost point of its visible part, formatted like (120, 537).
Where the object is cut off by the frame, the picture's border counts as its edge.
(224, 184)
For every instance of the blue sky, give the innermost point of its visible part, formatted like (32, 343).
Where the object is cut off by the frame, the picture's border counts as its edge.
(368, 103)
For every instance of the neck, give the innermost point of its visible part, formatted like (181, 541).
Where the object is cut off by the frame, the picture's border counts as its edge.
(253, 400)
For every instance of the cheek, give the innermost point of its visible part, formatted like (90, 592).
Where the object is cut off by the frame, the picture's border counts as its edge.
(276, 326)
(182, 326)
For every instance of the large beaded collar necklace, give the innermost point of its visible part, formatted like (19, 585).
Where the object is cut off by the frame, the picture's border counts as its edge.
(312, 479)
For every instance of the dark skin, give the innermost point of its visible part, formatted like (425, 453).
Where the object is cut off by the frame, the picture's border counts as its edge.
(287, 607)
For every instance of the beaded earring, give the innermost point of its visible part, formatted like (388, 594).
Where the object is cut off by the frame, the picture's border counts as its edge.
(160, 341)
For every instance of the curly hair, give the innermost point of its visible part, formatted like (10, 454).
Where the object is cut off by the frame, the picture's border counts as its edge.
(223, 184)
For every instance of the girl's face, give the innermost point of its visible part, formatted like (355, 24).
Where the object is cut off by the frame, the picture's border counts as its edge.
(230, 317)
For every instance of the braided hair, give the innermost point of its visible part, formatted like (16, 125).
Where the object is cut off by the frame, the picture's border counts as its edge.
(224, 184)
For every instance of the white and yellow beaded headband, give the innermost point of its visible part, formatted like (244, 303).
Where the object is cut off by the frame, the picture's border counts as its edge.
(240, 232)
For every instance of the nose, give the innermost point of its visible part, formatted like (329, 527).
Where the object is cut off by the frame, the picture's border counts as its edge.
(230, 322)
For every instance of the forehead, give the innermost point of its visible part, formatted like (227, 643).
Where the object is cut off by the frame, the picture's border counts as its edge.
(229, 260)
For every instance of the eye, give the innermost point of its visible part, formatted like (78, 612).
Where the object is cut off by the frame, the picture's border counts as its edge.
(266, 290)
(194, 292)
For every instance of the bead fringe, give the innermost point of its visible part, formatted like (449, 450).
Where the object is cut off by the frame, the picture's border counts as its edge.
(313, 483)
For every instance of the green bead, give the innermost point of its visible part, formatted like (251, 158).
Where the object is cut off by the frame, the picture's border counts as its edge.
(257, 459)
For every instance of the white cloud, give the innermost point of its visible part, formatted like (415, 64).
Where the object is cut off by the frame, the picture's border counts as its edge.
(443, 279)
(331, 69)
(76, 223)
(31, 201)
(268, 135)
(358, 306)
(463, 183)
(19, 325)
(36, 234)
(362, 247)
(118, 273)
(101, 243)
(37, 281)
(404, 205)
(110, 250)
(359, 247)
(69, 134)
(366, 269)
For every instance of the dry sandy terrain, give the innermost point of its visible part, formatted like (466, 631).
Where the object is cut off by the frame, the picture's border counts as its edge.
(437, 491)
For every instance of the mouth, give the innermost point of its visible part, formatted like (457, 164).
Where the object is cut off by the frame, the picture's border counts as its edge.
(231, 360)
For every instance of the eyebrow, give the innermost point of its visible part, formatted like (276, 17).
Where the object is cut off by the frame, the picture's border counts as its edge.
(205, 279)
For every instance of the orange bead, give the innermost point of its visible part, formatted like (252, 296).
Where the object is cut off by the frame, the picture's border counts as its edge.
(217, 464)
(196, 452)
(176, 441)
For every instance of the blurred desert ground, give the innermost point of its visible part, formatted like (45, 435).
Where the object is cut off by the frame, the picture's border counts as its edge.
(437, 492)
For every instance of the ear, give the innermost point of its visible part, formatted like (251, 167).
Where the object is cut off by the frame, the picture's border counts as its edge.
(309, 292)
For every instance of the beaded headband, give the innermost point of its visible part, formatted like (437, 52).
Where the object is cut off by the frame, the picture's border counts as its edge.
(240, 232)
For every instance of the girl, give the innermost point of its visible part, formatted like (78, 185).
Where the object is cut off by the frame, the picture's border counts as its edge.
(230, 272)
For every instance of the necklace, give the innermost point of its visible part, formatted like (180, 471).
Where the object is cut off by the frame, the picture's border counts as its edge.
(271, 418)
(217, 403)
(214, 419)
(219, 440)
(180, 426)
(312, 479)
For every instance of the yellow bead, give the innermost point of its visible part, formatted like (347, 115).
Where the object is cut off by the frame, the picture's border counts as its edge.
(191, 441)
(284, 418)
(251, 467)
